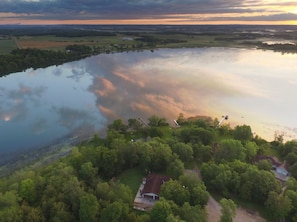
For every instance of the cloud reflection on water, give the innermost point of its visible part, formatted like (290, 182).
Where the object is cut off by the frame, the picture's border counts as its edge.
(40, 106)
(254, 87)
(246, 84)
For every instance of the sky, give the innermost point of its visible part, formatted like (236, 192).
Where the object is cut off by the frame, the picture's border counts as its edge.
(148, 12)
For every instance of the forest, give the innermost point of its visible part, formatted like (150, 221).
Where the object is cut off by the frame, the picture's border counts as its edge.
(21, 59)
(99, 178)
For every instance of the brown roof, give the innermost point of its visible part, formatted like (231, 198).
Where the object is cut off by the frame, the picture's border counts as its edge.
(153, 183)
(274, 161)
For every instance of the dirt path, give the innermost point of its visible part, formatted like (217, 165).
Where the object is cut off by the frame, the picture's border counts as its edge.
(246, 216)
(213, 210)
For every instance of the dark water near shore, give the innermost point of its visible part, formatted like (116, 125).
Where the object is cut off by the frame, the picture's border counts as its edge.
(38, 107)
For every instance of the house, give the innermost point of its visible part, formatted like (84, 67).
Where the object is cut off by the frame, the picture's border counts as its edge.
(280, 169)
(152, 186)
(274, 160)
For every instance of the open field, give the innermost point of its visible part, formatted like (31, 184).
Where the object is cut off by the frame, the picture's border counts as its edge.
(152, 38)
(131, 41)
(54, 43)
(48, 44)
(6, 45)
(108, 38)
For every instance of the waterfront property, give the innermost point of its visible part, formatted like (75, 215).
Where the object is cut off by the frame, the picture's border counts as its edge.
(149, 191)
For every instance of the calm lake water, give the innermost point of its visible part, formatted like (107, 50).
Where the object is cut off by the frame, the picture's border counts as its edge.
(257, 88)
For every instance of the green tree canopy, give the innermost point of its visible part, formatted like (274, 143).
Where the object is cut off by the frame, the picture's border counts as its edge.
(27, 190)
(89, 208)
(114, 212)
(228, 209)
(243, 133)
(278, 205)
(197, 189)
(160, 211)
(173, 190)
(230, 150)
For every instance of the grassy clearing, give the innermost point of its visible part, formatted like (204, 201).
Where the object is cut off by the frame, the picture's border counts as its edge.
(6, 45)
(132, 178)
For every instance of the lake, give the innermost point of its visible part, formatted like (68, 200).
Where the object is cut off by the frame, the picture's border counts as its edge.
(74, 100)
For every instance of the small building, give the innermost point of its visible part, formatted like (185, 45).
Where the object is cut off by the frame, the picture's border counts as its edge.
(280, 169)
(152, 186)
(274, 160)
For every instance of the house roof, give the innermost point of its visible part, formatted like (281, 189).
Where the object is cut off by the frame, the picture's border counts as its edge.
(153, 183)
(274, 161)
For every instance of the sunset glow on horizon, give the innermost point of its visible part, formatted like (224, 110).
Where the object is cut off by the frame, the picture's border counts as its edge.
(171, 12)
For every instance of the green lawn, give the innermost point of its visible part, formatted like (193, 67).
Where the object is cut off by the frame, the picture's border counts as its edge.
(132, 178)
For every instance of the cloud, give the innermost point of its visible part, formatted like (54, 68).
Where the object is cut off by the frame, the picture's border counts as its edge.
(39, 126)
(139, 9)
(275, 17)
(15, 102)
(72, 118)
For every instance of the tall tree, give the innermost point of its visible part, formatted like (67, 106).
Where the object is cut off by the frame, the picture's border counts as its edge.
(114, 212)
(184, 151)
(197, 189)
(228, 209)
(31, 214)
(278, 205)
(9, 207)
(173, 190)
(27, 190)
(88, 209)
(251, 149)
(134, 124)
(292, 195)
(160, 211)
(88, 172)
(243, 133)
(230, 150)
(118, 126)
(156, 121)
(193, 213)
(175, 168)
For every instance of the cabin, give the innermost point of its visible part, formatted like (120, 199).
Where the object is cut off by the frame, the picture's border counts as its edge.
(274, 160)
(279, 168)
(152, 186)
(282, 171)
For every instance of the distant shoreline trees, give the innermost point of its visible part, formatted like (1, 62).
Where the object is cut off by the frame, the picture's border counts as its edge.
(21, 59)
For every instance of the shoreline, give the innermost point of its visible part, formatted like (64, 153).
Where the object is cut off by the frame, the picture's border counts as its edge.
(36, 157)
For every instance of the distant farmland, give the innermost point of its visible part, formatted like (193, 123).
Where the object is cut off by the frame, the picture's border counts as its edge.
(53, 42)
(49, 44)
(6, 45)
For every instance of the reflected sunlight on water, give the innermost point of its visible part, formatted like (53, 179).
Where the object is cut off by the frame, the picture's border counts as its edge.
(253, 87)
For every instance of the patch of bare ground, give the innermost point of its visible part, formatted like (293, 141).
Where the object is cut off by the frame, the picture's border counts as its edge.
(243, 215)
(213, 208)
